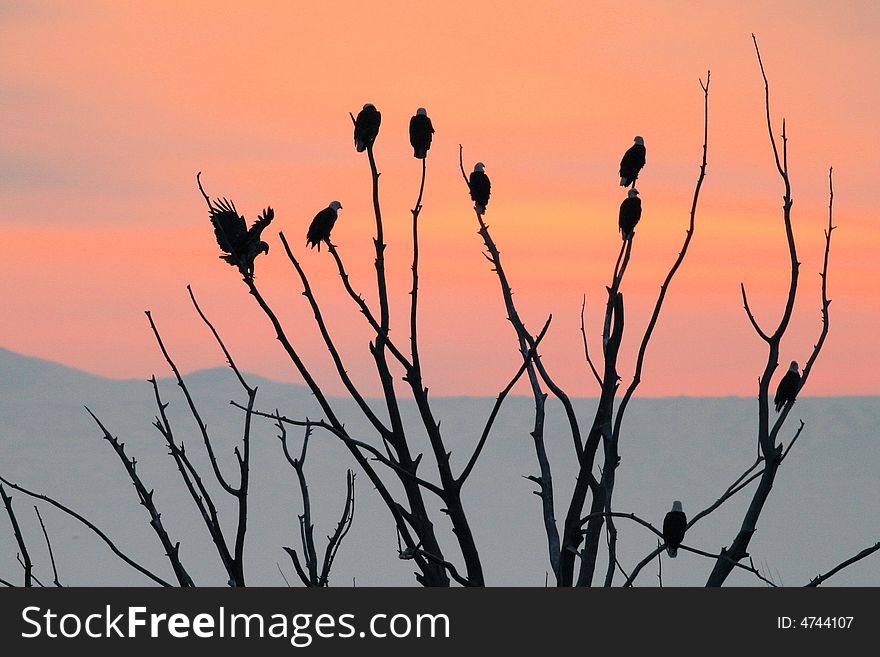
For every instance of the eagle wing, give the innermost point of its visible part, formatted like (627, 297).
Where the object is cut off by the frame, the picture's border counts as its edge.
(633, 160)
(366, 126)
(787, 389)
(674, 526)
(264, 220)
(320, 227)
(229, 227)
(480, 186)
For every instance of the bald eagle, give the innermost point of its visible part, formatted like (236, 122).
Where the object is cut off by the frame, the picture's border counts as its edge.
(632, 162)
(421, 132)
(674, 526)
(241, 245)
(480, 187)
(788, 387)
(366, 127)
(322, 224)
(630, 213)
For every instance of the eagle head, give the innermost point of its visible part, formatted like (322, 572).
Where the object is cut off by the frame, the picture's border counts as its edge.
(479, 166)
(793, 367)
(335, 205)
(639, 141)
(422, 112)
(676, 506)
(632, 193)
(366, 105)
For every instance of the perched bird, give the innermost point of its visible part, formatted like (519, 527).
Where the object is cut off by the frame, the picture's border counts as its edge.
(630, 213)
(241, 245)
(632, 162)
(322, 224)
(480, 187)
(366, 127)
(421, 132)
(788, 387)
(674, 525)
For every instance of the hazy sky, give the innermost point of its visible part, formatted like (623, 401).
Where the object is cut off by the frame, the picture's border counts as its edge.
(108, 110)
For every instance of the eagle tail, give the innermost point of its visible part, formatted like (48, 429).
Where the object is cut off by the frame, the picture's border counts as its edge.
(360, 145)
(420, 153)
(672, 552)
(624, 182)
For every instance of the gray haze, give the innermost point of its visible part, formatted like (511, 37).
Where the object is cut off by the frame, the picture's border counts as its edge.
(823, 509)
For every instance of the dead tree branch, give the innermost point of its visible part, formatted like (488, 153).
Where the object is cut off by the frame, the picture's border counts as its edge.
(145, 497)
(586, 346)
(612, 457)
(25, 555)
(55, 579)
(194, 485)
(818, 579)
(536, 373)
(309, 574)
(772, 453)
(498, 401)
(131, 562)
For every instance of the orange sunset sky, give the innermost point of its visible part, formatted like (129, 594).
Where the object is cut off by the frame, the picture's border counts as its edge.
(108, 110)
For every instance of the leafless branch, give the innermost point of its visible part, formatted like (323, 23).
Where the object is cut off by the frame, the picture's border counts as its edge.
(525, 342)
(414, 292)
(499, 400)
(48, 547)
(734, 564)
(172, 549)
(586, 347)
(203, 428)
(342, 528)
(141, 569)
(219, 341)
(754, 322)
(772, 453)
(331, 347)
(818, 579)
(193, 481)
(449, 567)
(646, 338)
(26, 557)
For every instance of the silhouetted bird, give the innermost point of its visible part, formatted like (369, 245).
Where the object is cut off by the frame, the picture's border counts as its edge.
(480, 187)
(674, 526)
(366, 127)
(788, 387)
(240, 244)
(421, 132)
(630, 213)
(322, 224)
(632, 162)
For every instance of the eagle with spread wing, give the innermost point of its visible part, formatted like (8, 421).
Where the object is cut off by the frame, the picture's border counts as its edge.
(240, 244)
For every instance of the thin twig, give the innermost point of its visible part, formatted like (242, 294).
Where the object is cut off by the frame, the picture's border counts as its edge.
(141, 569)
(203, 428)
(26, 561)
(499, 400)
(145, 497)
(586, 348)
(818, 579)
(48, 546)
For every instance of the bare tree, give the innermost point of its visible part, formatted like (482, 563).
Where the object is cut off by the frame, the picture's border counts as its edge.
(415, 527)
(309, 572)
(606, 427)
(387, 452)
(770, 451)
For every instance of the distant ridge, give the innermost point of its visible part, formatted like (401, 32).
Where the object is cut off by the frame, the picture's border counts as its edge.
(27, 369)
(32, 369)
